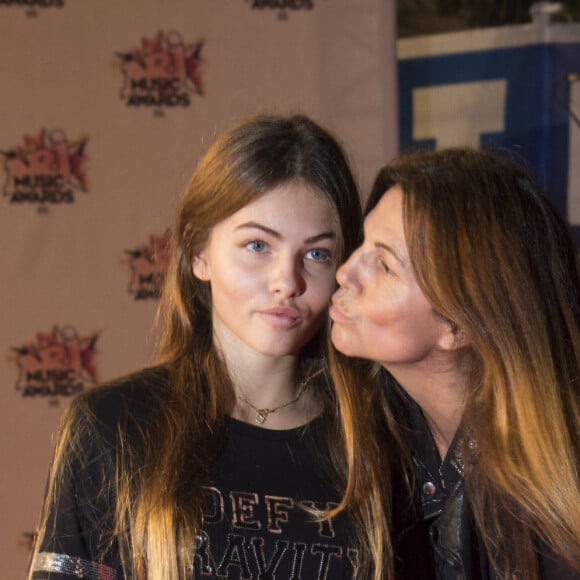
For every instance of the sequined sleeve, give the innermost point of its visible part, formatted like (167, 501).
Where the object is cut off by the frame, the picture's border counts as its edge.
(63, 564)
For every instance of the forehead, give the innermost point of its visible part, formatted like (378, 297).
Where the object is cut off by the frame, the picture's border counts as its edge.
(292, 204)
(386, 218)
(293, 194)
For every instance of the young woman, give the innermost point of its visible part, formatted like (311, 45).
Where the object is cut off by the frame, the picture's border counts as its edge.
(466, 295)
(210, 463)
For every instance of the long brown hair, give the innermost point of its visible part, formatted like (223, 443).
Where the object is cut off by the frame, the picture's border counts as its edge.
(161, 467)
(492, 255)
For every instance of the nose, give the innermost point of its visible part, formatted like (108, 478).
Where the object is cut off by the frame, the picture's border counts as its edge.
(346, 274)
(288, 278)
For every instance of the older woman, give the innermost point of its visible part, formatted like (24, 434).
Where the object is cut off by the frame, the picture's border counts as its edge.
(466, 295)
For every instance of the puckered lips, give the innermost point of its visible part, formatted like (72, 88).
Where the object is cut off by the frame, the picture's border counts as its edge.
(336, 312)
(282, 316)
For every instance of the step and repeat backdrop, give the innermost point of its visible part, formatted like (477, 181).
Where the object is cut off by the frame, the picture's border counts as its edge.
(106, 108)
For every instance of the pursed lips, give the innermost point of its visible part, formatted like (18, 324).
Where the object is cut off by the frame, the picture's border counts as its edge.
(336, 311)
(282, 316)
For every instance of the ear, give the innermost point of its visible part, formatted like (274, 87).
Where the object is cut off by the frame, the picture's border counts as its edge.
(452, 337)
(200, 267)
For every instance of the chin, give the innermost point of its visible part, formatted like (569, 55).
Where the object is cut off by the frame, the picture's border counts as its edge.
(341, 347)
(347, 352)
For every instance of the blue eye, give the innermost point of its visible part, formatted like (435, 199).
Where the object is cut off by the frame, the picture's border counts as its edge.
(257, 246)
(318, 255)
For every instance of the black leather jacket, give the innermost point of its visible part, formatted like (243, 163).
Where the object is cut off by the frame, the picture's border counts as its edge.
(435, 537)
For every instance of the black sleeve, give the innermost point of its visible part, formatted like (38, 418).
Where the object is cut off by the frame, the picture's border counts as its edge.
(77, 540)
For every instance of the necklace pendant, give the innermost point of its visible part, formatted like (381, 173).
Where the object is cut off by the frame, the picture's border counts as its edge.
(262, 416)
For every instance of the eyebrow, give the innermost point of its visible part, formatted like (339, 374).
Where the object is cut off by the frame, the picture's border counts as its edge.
(277, 235)
(396, 254)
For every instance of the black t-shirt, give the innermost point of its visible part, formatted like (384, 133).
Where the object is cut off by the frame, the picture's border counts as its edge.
(254, 525)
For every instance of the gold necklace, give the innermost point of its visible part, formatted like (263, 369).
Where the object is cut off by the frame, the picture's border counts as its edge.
(262, 413)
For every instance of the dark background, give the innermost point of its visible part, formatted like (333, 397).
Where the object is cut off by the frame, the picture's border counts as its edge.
(417, 17)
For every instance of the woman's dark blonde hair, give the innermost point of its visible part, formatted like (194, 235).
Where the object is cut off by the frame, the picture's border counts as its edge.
(494, 257)
(161, 467)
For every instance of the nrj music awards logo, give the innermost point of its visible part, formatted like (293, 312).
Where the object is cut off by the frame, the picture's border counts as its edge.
(164, 72)
(58, 364)
(46, 169)
(31, 5)
(148, 264)
(281, 4)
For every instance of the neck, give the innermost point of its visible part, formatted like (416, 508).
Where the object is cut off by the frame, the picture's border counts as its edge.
(291, 405)
(441, 395)
(271, 383)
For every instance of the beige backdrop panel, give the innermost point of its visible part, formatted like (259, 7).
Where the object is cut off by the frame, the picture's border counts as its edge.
(69, 315)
